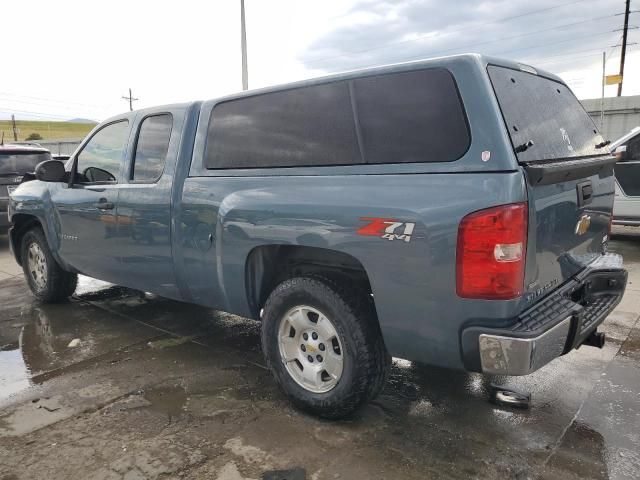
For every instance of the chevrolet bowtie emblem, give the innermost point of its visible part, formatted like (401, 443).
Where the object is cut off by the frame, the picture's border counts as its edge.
(583, 225)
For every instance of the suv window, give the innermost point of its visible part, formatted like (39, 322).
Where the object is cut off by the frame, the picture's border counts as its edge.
(19, 163)
(101, 157)
(411, 117)
(152, 147)
(300, 127)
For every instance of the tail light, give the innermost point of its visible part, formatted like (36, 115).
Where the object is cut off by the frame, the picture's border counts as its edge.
(491, 253)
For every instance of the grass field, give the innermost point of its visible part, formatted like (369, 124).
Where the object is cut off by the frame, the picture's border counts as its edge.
(47, 130)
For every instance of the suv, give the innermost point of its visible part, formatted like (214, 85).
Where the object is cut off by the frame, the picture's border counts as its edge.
(454, 211)
(626, 210)
(15, 162)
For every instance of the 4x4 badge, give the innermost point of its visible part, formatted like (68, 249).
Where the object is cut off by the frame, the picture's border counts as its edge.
(387, 228)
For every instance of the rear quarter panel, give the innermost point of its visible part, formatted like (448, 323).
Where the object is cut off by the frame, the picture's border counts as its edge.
(413, 282)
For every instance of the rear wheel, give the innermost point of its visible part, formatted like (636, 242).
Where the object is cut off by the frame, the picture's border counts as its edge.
(47, 280)
(324, 346)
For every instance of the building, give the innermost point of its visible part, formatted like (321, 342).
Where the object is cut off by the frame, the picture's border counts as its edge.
(621, 114)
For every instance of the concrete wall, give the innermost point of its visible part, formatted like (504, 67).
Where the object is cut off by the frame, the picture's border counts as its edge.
(621, 114)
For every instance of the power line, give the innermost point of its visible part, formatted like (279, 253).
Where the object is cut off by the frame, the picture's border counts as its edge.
(549, 44)
(429, 36)
(35, 114)
(51, 100)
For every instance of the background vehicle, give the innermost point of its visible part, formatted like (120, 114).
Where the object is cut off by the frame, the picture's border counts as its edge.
(626, 210)
(15, 161)
(450, 211)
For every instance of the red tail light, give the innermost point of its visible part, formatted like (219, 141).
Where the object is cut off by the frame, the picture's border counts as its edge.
(491, 253)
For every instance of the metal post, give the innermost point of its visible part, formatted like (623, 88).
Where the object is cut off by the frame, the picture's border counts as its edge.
(604, 63)
(15, 128)
(243, 46)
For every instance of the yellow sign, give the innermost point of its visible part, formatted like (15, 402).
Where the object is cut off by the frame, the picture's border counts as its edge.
(613, 79)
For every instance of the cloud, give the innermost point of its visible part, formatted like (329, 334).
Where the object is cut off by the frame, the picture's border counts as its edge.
(561, 37)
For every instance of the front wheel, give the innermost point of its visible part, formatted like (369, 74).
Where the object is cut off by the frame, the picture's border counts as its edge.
(323, 346)
(47, 280)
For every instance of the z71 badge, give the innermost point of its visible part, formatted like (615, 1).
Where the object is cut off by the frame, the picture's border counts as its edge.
(387, 228)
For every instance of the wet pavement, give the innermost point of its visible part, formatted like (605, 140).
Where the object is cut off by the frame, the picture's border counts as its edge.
(117, 384)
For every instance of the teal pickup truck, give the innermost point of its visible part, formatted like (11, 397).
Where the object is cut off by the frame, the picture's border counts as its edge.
(454, 212)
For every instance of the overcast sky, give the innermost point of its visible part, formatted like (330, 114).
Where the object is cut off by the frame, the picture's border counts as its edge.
(68, 59)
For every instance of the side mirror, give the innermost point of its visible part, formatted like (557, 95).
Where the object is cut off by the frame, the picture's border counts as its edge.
(621, 153)
(50, 171)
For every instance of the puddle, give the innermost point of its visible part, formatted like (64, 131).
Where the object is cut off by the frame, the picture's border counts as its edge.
(169, 400)
(14, 374)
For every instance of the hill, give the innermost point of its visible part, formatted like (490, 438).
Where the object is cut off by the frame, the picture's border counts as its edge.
(47, 130)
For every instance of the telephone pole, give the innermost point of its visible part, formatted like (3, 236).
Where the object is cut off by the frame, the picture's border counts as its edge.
(624, 44)
(131, 100)
(15, 128)
(243, 46)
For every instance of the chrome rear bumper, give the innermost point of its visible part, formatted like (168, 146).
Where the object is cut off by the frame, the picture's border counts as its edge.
(501, 355)
(553, 326)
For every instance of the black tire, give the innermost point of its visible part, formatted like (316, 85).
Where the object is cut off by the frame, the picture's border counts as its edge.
(59, 284)
(366, 362)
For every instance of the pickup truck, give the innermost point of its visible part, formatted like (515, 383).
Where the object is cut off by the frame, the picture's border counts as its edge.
(453, 212)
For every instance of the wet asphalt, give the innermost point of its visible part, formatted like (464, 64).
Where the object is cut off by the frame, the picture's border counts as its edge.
(118, 384)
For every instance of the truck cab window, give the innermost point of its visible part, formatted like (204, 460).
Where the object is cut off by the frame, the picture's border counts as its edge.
(101, 157)
(151, 148)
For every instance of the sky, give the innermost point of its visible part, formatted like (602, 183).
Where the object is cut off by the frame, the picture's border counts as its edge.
(76, 59)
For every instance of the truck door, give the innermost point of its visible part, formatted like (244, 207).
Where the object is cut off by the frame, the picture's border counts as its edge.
(87, 210)
(144, 205)
(627, 207)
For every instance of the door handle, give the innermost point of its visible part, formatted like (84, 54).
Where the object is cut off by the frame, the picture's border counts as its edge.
(105, 205)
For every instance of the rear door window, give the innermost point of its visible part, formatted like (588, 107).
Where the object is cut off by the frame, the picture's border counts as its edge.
(411, 117)
(151, 148)
(545, 112)
(291, 128)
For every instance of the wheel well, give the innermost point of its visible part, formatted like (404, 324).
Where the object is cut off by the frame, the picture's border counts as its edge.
(21, 224)
(268, 266)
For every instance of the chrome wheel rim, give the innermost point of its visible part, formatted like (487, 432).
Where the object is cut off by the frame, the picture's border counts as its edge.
(37, 263)
(310, 349)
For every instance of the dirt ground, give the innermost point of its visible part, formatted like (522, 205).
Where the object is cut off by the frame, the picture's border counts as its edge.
(154, 388)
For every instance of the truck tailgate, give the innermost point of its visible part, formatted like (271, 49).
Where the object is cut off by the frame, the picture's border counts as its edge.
(569, 175)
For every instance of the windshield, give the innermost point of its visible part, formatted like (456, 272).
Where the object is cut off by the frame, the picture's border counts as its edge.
(21, 163)
(544, 118)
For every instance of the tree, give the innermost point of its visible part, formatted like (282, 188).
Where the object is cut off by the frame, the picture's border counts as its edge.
(34, 136)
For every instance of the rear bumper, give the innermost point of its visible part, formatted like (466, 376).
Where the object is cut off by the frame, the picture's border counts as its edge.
(552, 327)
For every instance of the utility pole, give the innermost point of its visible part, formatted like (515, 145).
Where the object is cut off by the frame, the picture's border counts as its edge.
(15, 128)
(131, 100)
(243, 46)
(624, 44)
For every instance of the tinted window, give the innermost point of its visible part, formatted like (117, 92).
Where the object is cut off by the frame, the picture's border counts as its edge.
(299, 127)
(101, 157)
(152, 146)
(633, 149)
(21, 162)
(544, 112)
(411, 117)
